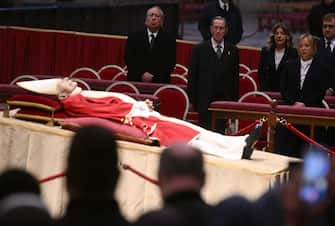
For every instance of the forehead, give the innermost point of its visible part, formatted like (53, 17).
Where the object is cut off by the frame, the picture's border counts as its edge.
(328, 21)
(219, 23)
(305, 41)
(154, 10)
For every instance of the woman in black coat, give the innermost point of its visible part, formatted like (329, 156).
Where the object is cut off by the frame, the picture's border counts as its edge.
(273, 57)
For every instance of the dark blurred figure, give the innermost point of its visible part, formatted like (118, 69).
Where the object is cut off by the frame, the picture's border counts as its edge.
(92, 174)
(303, 84)
(150, 53)
(315, 15)
(17, 181)
(164, 217)
(181, 176)
(273, 57)
(287, 204)
(233, 211)
(20, 201)
(226, 9)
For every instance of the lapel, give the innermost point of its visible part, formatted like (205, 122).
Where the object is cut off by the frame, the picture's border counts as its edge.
(297, 74)
(308, 74)
(272, 59)
(285, 56)
(146, 39)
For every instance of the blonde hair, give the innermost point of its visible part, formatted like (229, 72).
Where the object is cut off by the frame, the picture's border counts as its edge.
(310, 38)
(271, 40)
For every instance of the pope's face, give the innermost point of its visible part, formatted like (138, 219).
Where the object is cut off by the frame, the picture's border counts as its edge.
(66, 87)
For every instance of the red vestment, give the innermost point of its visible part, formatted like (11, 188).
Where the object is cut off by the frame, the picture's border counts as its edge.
(116, 109)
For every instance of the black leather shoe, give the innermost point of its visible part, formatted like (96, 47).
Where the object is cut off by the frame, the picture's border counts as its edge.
(251, 141)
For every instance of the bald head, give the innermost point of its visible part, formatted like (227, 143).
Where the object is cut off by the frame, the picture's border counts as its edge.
(181, 167)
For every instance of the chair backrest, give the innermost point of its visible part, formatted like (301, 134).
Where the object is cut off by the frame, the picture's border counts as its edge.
(82, 84)
(254, 74)
(255, 97)
(122, 87)
(177, 79)
(244, 68)
(22, 78)
(180, 70)
(108, 72)
(84, 72)
(121, 76)
(174, 101)
(247, 84)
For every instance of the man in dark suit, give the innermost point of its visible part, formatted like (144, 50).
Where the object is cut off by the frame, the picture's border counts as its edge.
(226, 9)
(150, 54)
(213, 71)
(326, 51)
(316, 14)
(181, 177)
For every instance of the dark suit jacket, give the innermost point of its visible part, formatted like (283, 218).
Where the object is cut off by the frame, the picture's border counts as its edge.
(313, 88)
(269, 77)
(85, 212)
(233, 19)
(140, 58)
(328, 59)
(314, 18)
(210, 78)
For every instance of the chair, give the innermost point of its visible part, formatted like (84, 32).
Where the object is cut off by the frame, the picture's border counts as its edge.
(174, 101)
(121, 76)
(177, 79)
(84, 72)
(108, 72)
(122, 87)
(82, 84)
(247, 84)
(180, 70)
(254, 74)
(244, 68)
(23, 78)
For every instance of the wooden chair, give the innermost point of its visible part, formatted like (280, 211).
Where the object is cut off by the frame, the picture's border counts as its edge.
(84, 72)
(174, 101)
(122, 87)
(108, 72)
(247, 84)
(177, 79)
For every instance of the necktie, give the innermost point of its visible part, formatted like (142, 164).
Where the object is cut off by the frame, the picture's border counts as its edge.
(219, 51)
(225, 8)
(329, 49)
(152, 40)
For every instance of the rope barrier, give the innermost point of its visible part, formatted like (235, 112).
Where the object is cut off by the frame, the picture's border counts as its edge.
(138, 173)
(246, 129)
(290, 127)
(52, 177)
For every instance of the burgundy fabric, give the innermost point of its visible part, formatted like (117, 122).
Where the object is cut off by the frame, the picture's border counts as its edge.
(274, 95)
(288, 109)
(246, 86)
(36, 99)
(178, 81)
(330, 101)
(28, 51)
(172, 102)
(122, 88)
(84, 74)
(241, 106)
(109, 73)
(12, 89)
(110, 125)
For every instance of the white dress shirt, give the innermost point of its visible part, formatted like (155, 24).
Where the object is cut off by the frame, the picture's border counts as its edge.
(303, 70)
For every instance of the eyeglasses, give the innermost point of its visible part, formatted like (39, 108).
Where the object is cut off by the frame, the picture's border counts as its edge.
(328, 26)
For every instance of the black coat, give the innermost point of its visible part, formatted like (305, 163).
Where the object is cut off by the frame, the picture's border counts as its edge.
(315, 15)
(140, 58)
(233, 19)
(329, 59)
(83, 212)
(210, 78)
(313, 88)
(269, 76)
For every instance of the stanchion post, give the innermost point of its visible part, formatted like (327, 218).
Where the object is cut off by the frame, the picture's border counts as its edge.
(272, 122)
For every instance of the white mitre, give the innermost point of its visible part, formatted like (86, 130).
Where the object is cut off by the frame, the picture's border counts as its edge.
(43, 86)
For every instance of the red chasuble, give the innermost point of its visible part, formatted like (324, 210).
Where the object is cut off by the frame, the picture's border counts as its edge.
(114, 108)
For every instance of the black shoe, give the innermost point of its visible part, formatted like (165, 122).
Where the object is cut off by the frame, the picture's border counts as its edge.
(251, 141)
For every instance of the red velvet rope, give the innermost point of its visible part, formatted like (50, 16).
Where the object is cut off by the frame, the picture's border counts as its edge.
(307, 139)
(138, 173)
(52, 177)
(246, 129)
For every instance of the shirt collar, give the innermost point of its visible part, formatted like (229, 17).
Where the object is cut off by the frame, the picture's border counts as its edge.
(214, 44)
(305, 63)
(222, 5)
(154, 33)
